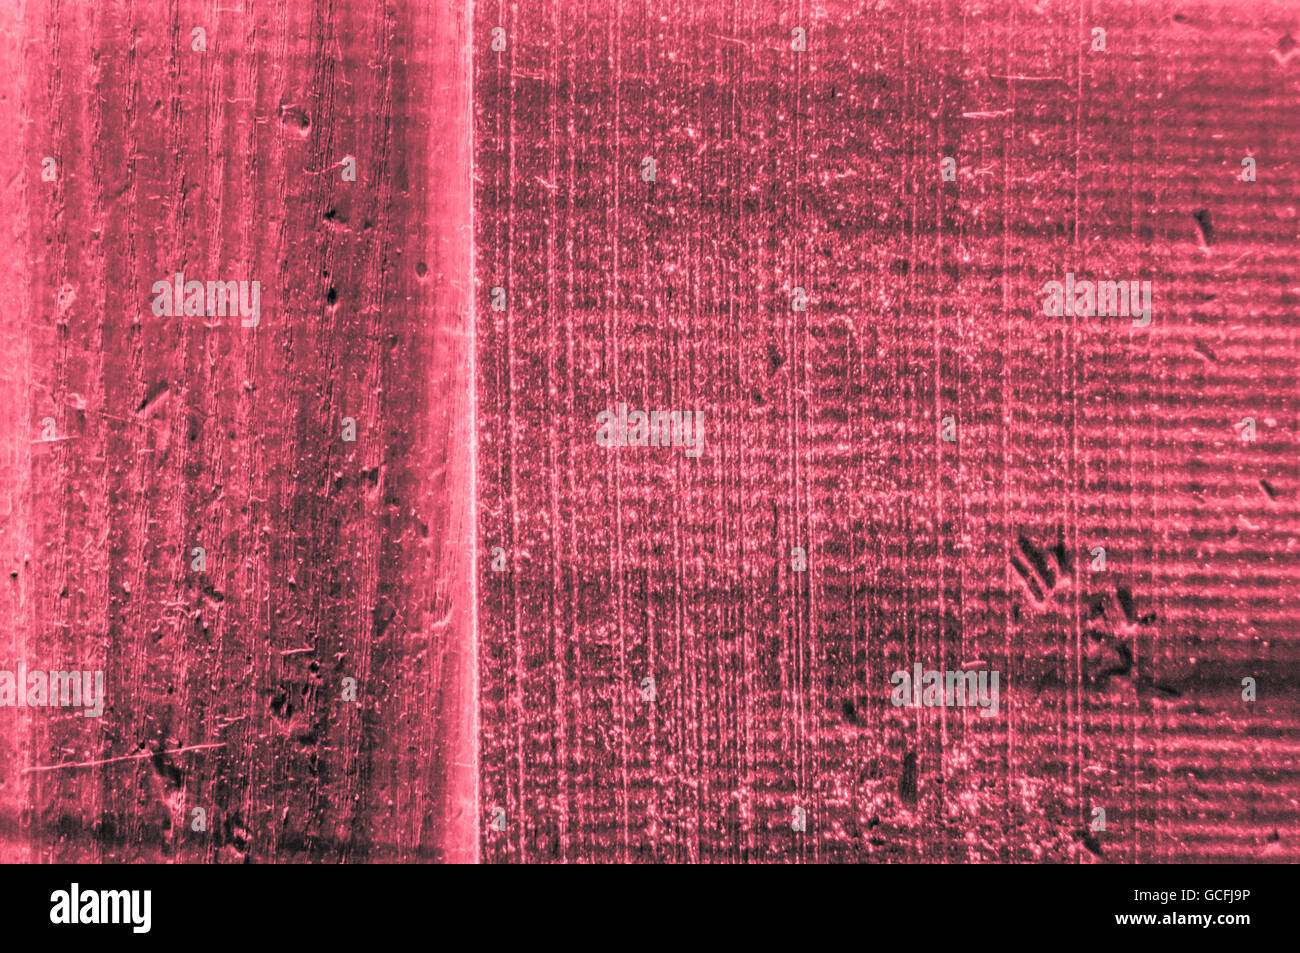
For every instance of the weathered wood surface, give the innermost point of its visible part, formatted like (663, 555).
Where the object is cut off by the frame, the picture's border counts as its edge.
(777, 169)
(526, 706)
(325, 559)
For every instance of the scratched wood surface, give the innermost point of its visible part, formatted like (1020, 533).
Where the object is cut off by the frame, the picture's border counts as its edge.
(325, 559)
(329, 560)
(777, 169)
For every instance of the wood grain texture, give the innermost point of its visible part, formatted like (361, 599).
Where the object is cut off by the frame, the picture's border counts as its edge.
(821, 170)
(325, 559)
(505, 715)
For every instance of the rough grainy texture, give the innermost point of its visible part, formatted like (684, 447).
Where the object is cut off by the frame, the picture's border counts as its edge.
(325, 559)
(774, 169)
(648, 670)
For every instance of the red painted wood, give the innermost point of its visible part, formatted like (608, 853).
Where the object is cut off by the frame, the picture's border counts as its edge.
(508, 714)
(822, 170)
(325, 559)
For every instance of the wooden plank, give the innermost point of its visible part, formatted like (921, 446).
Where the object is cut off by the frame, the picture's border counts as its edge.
(323, 559)
(821, 170)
